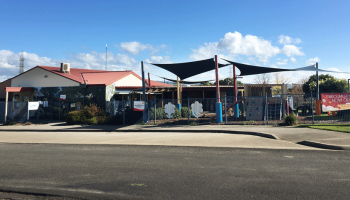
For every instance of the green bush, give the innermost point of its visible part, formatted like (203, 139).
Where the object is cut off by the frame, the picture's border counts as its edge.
(184, 112)
(176, 114)
(290, 119)
(89, 115)
(193, 124)
(160, 112)
(74, 117)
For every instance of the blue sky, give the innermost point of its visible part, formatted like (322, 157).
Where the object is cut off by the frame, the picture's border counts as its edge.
(284, 34)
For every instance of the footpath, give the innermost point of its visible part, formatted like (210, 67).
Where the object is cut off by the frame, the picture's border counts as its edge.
(304, 136)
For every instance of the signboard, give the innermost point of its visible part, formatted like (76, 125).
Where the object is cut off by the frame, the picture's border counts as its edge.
(62, 97)
(33, 105)
(139, 105)
(335, 101)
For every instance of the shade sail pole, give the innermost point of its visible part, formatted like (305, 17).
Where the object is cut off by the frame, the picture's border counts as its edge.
(150, 87)
(317, 84)
(178, 89)
(217, 79)
(143, 92)
(235, 82)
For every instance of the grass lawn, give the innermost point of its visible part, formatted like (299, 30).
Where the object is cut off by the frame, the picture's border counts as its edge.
(330, 127)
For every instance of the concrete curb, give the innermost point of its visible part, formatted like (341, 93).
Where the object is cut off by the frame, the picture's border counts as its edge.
(265, 135)
(321, 145)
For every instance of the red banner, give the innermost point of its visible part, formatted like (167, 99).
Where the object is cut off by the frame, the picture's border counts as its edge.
(335, 101)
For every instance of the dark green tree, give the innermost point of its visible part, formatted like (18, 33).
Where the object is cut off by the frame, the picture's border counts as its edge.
(328, 84)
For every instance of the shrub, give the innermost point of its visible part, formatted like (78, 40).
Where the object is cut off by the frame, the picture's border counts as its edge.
(184, 112)
(28, 123)
(176, 114)
(290, 119)
(89, 115)
(74, 117)
(193, 124)
(160, 112)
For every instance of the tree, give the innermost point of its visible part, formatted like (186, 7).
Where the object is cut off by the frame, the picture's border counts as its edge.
(298, 88)
(262, 78)
(229, 81)
(327, 84)
(207, 83)
(279, 78)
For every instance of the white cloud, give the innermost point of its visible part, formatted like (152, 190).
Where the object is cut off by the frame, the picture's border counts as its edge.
(136, 47)
(283, 39)
(234, 44)
(291, 50)
(293, 60)
(205, 52)
(93, 60)
(159, 59)
(283, 62)
(312, 61)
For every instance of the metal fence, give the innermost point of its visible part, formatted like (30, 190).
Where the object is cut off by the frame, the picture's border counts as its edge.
(268, 109)
(245, 110)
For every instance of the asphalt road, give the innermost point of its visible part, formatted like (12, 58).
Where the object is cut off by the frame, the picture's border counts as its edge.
(54, 171)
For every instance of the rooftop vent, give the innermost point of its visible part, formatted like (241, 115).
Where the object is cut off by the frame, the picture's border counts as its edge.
(65, 68)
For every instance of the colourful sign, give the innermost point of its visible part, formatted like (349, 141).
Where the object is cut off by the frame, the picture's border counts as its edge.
(335, 101)
(139, 105)
(63, 97)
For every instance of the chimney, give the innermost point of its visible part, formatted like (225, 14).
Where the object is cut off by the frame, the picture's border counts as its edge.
(65, 68)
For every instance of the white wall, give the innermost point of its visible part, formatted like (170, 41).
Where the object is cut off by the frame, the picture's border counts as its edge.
(35, 78)
(129, 80)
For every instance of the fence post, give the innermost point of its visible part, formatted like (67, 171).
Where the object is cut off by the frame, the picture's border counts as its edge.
(225, 111)
(59, 109)
(312, 109)
(155, 111)
(267, 110)
(123, 104)
(188, 110)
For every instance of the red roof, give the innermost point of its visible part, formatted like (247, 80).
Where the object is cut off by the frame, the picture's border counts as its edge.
(96, 77)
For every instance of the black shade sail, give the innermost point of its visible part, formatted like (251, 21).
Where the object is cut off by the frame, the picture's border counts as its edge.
(253, 70)
(186, 70)
(185, 82)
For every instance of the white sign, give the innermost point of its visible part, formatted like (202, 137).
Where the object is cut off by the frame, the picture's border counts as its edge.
(33, 105)
(197, 108)
(139, 105)
(62, 97)
(169, 109)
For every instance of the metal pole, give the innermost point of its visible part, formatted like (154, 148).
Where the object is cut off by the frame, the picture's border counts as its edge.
(225, 111)
(106, 57)
(348, 86)
(59, 108)
(317, 84)
(143, 92)
(312, 109)
(155, 111)
(6, 105)
(217, 79)
(123, 109)
(235, 82)
(267, 110)
(188, 110)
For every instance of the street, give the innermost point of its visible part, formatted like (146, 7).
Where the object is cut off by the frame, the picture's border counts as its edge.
(83, 171)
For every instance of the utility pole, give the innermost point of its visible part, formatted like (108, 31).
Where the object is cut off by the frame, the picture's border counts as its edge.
(21, 64)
